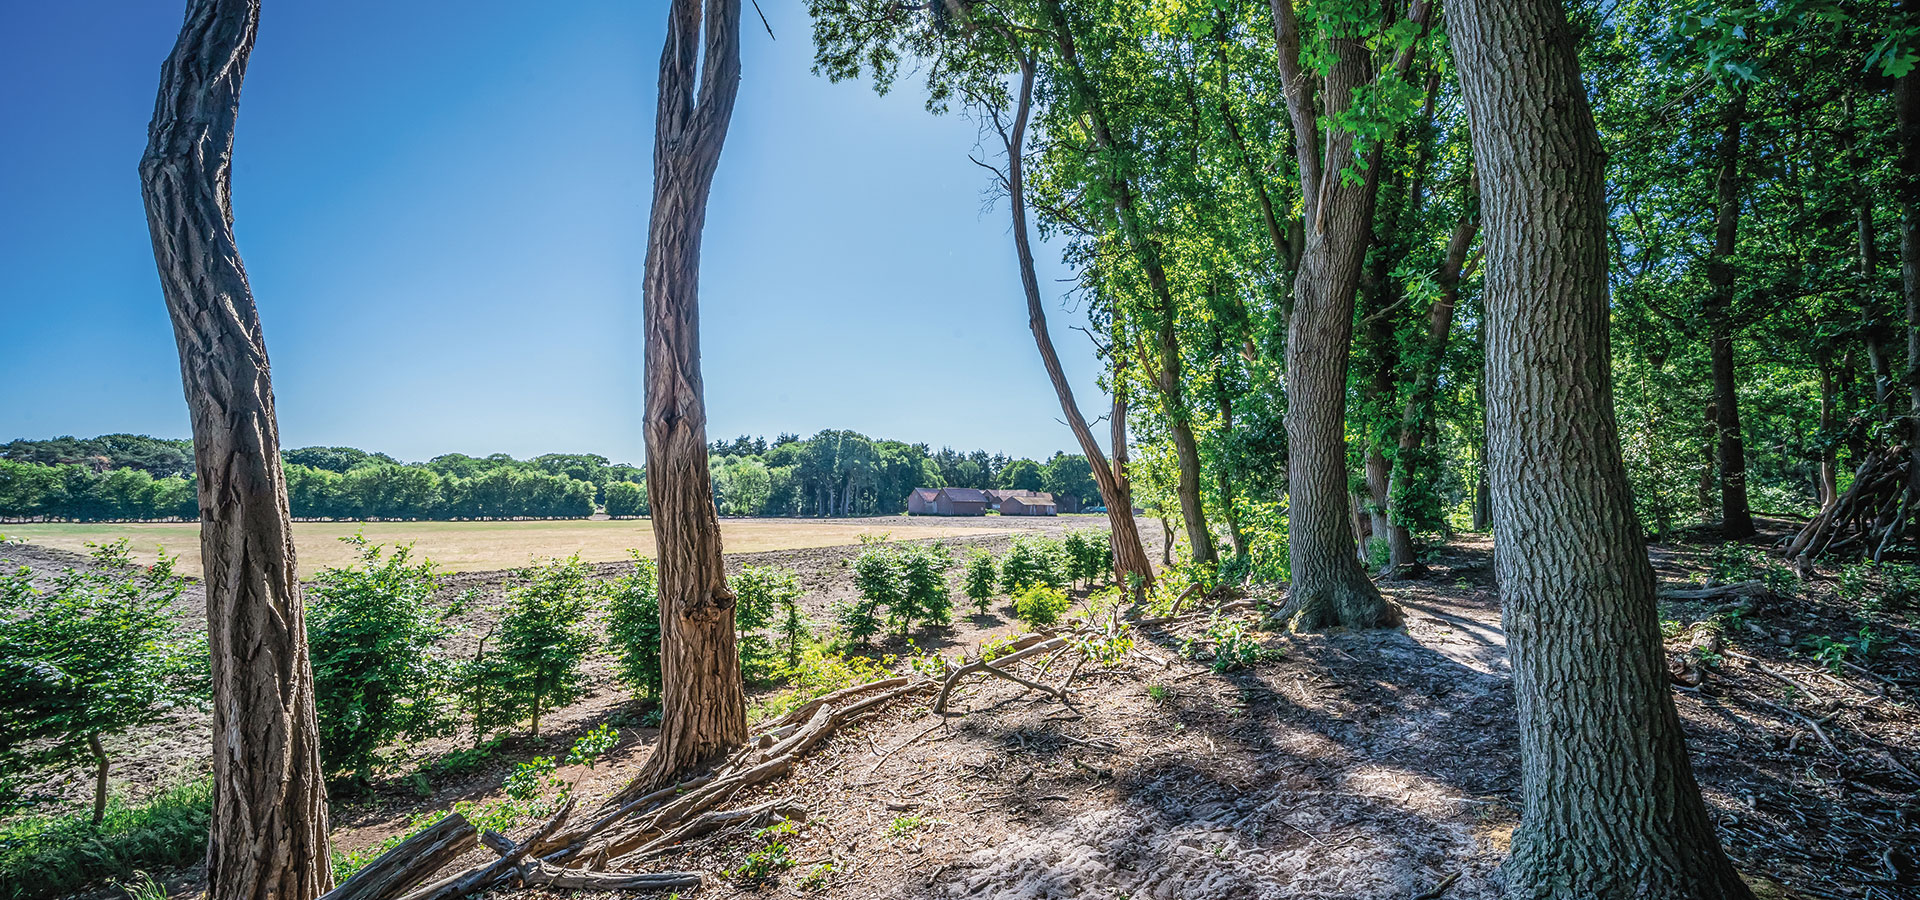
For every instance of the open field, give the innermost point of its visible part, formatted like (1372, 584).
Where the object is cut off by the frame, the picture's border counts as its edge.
(489, 546)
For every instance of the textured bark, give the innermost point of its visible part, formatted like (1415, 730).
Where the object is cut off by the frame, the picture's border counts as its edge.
(704, 703)
(1610, 809)
(269, 830)
(99, 777)
(1736, 518)
(1827, 478)
(1329, 586)
(1167, 380)
(1907, 104)
(1130, 563)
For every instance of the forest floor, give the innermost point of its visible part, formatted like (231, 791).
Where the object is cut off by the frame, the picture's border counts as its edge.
(1378, 765)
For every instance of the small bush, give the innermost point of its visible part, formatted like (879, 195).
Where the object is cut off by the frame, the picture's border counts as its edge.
(1234, 647)
(925, 598)
(979, 581)
(543, 639)
(877, 576)
(372, 634)
(760, 592)
(1032, 560)
(822, 672)
(1040, 606)
(633, 626)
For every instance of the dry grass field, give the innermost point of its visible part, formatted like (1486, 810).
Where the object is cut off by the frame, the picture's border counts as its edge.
(488, 546)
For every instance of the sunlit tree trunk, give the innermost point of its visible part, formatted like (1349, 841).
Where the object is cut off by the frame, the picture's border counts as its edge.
(1610, 809)
(269, 831)
(1130, 563)
(703, 702)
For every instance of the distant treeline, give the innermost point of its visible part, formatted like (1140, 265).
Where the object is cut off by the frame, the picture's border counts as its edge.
(833, 473)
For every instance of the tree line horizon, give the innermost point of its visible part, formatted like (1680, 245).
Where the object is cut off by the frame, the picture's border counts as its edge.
(128, 477)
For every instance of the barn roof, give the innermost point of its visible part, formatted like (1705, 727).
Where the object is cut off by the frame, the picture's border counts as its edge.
(965, 495)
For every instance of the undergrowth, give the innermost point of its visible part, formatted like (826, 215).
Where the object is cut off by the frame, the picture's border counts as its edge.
(55, 856)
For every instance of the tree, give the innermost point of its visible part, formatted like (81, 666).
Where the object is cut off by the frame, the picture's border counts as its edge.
(543, 639)
(89, 659)
(979, 579)
(1329, 587)
(705, 707)
(377, 671)
(625, 500)
(633, 625)
(763, 592)
(1021, 475)
(269, 834)
(1611, 809)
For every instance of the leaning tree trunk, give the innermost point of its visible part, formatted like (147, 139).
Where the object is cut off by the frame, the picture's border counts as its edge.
(1130, 563)
(1610, 809)
(1167, 381)
(269, 831)
(1736, 518)
(704, 710)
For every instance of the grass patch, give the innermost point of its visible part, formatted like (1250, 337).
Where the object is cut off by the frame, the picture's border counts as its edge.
(54, 856)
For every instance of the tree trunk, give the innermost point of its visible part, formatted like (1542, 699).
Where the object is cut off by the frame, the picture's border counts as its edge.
(1907, 103)
(1736, 519)
(1130, 563)
(99, 778)
(269, 828)
(1709, 461)
(1376, 472)
(1610, 808)
(704, 710)
(1827, 479)
(1147, 251)
(1329, 586)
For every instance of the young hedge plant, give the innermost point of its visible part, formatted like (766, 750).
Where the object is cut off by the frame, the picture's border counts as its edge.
(979, 579)
(91, 658)
(633, 626)
(378, 676)
(543, 639)
(761, 593)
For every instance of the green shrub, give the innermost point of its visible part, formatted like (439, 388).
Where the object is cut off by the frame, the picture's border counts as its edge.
(1088, 555)
(1264, 528)
(792, 628)
(1039, 606)
(821, 672)
(43, 857)
(90, 658)
(759, 594)
(878, 579)
(377, 675)
(633, 625)
(1032, 560)
(1234, 647)
(925, 598)
(979, 580)
(543, 639)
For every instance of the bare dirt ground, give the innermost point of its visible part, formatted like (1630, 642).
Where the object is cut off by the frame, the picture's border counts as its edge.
(1355, 765)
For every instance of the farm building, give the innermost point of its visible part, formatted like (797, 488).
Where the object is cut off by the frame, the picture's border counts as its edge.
(947, 502)
(920, 502)
(1031, 505)
(998, 499)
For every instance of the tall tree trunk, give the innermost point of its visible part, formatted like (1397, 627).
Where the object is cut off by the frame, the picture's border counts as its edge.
(1130, 563)
(269, 830)
(1329, 586)
(1709, 461)
(1610, 809)
(1147, 251)
(1736, 519)
(702, 698)
(1907, 103)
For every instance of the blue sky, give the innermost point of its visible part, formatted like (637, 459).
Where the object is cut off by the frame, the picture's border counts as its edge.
(443, 209)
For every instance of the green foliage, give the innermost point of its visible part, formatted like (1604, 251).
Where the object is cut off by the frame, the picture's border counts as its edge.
(93, 656)
(821, 672)
(626, 500)
(979, 579)
(924, 596)
(588, 748)
(761, 594)
(1032, 560)
(377, 672)
(543, 639)
(1731, 563)
(45, 857)
(633, 625)
(1228, 646)
(1040, 606)
(792, 630)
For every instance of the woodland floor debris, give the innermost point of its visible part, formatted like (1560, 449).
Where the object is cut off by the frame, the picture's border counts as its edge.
(1355, 765)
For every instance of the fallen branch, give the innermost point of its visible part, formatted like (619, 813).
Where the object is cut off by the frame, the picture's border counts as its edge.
(1736, 589)
(487, 875)
(410, 862)
(997, 666)
(541, 873)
